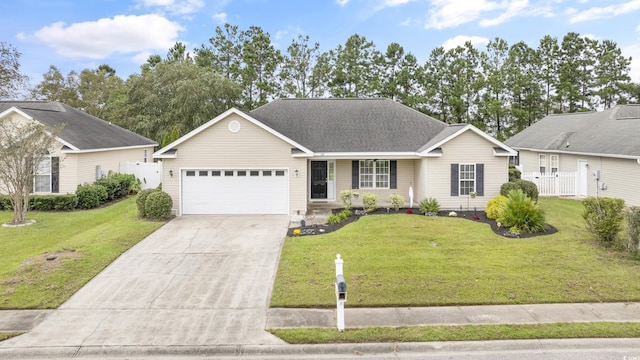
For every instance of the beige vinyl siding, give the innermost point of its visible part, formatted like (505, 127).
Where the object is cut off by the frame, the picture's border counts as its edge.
(252, 147)
(405, 176)
(107, 160)
(466, 148)
(621, 176)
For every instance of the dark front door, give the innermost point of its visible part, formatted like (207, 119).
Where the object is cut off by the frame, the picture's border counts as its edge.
(318, 179)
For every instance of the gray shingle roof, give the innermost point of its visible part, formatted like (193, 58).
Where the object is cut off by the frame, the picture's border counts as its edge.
(611, 132)
(350, 125)
(81, 130)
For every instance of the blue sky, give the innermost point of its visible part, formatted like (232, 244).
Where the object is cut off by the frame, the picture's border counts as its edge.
(80, 34)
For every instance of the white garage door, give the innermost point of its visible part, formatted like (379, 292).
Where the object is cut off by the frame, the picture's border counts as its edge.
(250, 191)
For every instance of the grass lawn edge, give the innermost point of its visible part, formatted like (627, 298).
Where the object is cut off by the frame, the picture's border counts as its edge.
(4, 335)
(576, 330)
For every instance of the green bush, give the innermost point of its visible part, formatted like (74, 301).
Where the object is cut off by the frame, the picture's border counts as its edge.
(514, 173)
(88, 196)
(633, 228)
(102, 193)
(5, 203)
(369, 202)
(508, 186)
(53, 202)
(338, 218)
(141, 199)
(521, 214)
(347, 198)
(158, 205)
(529, 188)
(429, 205)
(495, 207)
(604, 217)
(117, 185)
(397, 201)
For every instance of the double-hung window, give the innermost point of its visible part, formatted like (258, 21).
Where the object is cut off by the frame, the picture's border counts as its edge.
(42, 177)
(542, 163)
(554, 163)
(467, 173)
(374, 174)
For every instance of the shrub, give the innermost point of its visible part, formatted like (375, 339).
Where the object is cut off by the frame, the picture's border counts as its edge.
(495, 207)
(514, 173)
(333, 219)
(429, 205)
(508, 186)
(53, 202)
(369, 202)
(633, 228)
(521, 214)
(604, 217)
(347, 198)
(5, 203)
(102, 193)
(117, 185)
(141, 199)
(158, 205)
(88, 196)
(397, 201)
(529, 188)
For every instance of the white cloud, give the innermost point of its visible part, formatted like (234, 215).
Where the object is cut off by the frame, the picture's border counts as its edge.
(460, 40)
(121, 34)
(180, 7)
(393, 3)
(450, 13)
(220, 17)
(515, 8)
(595, 13)
(342, 2)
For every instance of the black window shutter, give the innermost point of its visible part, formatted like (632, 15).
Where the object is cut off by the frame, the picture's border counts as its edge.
(454, 180)
(393, 174)
(55, 174)
(480, 179)
(355, 174)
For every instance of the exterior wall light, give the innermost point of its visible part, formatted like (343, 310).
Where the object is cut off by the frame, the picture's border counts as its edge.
(171, 173)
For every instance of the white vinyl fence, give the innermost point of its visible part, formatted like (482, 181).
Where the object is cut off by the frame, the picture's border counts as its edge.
(150, 174)
(555, 184)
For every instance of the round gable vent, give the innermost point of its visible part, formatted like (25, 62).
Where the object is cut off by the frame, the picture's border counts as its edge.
(234, 126)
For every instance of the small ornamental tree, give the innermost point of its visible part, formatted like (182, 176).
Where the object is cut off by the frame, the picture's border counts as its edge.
(23, 145)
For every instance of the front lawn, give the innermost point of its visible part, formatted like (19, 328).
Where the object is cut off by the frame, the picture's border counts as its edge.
(412, 260)
(43, 264)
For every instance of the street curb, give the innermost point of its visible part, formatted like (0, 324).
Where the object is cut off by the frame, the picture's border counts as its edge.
(630, 345)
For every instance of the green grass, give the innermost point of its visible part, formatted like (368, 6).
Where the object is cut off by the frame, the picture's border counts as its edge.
(5, 335)
(411, 260)
(459, 333)
(85, 242)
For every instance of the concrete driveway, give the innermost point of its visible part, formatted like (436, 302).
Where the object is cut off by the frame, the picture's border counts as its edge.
(199, 280)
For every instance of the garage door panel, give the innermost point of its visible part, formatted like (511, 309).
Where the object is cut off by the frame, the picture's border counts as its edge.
(235, 194)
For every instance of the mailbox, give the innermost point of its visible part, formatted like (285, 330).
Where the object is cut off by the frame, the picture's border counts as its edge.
(341, 288)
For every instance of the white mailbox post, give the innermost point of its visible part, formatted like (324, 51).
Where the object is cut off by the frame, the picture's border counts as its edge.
(341, 292)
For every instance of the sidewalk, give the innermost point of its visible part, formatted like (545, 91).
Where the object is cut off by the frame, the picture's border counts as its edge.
(25, 320)
(457, 315)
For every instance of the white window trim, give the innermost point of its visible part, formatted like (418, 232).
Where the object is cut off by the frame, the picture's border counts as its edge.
(460, 179)
(374, 174)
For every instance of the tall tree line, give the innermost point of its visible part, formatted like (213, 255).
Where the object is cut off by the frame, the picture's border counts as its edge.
(500, 88)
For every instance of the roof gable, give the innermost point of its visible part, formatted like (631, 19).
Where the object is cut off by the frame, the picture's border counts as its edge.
(455, 130)
(81, 131)
(612, 132)
(170, 151)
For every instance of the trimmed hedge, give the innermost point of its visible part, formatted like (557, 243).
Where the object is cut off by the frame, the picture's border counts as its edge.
(5, 203)
(141, 199)
(66, 202)
(117, 185)
(158, 205)
(89, 196)
(528, 188)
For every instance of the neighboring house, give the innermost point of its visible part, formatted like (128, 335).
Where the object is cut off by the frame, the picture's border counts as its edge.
(290, 153)
(87, 147)
(601, 148)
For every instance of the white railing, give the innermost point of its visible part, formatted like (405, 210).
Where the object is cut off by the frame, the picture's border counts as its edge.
(556, 184)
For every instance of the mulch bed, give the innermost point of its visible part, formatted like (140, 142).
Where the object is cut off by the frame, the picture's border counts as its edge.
(478, 216)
